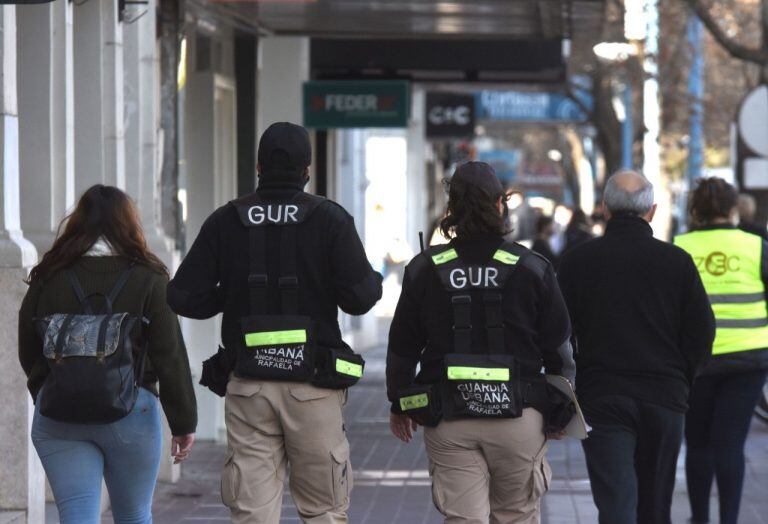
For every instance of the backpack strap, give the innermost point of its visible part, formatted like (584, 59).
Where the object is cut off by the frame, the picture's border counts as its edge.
(78, 289)
(119, 285)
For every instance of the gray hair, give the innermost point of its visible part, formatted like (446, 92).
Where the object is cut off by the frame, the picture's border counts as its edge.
(619, 199)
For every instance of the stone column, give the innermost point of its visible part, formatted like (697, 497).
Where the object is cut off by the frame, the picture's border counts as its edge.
(46, 129)
(283, 68)
(416, 198)
(22, 488)
(98, 95)
(142, 94)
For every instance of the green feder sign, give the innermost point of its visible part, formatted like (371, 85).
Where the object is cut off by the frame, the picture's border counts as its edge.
(351, 104)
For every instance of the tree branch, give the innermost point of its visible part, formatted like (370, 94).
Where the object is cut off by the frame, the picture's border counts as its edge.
(734, 48)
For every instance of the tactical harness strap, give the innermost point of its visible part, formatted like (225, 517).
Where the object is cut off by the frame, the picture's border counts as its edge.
(462, 323)
(494, 322)
(289, 282)
(461, 301)
(257, 278)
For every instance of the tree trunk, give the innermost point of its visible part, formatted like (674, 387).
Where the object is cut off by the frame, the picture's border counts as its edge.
(605, 120)
(169, 168)
(764, 40)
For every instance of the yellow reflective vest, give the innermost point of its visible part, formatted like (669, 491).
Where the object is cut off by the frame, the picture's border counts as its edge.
(730, 264)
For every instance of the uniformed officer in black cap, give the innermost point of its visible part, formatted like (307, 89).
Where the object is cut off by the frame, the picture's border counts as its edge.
(481, 317)
(278, 263)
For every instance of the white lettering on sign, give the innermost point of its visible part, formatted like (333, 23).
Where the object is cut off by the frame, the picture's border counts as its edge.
(474, 276)
(440, 115)
(284, 358)
(351, 102)
(276, 214)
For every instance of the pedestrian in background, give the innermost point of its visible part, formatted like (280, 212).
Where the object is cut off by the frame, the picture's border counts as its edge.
(733, 265)
(545, 229)
(643, 328)
(747, 207)
(579, 230)
(101, 244)
(481, 317)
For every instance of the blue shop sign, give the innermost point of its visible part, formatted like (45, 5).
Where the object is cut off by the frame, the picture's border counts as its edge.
(530, 106)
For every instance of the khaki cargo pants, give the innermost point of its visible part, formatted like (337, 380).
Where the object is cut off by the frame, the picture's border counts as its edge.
(272, 424)
(489, 469)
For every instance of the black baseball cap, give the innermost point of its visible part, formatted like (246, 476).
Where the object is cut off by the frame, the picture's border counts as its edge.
(284, 153)
(479, 174)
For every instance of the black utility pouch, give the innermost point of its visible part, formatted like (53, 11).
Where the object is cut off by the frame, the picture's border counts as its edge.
(276, 347)
(486, 386)
(560, 410)
(421, 403)
(337, 368)
(216, 372)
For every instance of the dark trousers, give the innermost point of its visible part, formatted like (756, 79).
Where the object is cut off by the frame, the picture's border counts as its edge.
(716, 428)
(631, 458)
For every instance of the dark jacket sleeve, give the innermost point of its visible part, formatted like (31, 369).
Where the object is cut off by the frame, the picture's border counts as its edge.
(567, 279)
(194, 291)
(168, 358)
(698, 321)
(30, 345)
(407, 338)
(357, 285)
(554, 329)
(764, 264)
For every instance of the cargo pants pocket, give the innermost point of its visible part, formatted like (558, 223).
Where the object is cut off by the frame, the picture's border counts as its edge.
(437, 491)
(341, 473)
(230, 481)
(541, 475)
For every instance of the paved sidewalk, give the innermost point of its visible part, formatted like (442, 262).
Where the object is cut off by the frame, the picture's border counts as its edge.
(392, 483)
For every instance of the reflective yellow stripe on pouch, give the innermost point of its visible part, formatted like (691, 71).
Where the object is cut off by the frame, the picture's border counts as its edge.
(349, 368)
(467, 373)
(445, 256)
(272, 338)
(505, 257)
(414, 402)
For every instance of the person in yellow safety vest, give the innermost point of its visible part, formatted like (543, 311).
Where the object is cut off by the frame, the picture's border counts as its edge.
(733, 266)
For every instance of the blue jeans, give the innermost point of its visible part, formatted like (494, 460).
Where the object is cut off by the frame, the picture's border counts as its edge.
(126, 454)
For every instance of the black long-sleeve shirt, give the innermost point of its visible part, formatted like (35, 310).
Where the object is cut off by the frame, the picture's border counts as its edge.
(536, 325)
(331, 266)
(640, 314)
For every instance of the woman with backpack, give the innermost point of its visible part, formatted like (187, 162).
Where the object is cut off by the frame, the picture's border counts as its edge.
(95, 338)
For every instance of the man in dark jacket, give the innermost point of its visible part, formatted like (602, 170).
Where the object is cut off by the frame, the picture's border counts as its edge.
(279, 263)
(643, 327)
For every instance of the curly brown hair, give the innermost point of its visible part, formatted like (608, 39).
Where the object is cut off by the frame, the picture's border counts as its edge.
(471, 211)
(713, 198)
(102, 211)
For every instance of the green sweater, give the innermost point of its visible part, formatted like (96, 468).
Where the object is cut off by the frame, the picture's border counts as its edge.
(143, 294)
